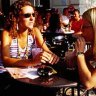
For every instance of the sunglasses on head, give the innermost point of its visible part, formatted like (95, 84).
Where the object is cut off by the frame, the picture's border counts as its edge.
(27, 15)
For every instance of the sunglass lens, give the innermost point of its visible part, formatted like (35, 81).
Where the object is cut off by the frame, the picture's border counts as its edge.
(27, 15)
(33, 14)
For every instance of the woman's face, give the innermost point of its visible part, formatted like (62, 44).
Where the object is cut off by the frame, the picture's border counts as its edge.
(27, 18)
(87, 31)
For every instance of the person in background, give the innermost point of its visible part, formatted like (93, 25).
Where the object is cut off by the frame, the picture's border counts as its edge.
(65, 17)
(20, 36)
(71, 8)
(55, 24)
(76, 22)
(86, 62)
(46, 20)
(39, 22)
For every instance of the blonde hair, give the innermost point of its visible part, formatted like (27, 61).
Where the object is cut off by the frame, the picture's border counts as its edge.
(90, 15)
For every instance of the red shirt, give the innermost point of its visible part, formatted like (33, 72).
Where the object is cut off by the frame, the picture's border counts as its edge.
(76, 25)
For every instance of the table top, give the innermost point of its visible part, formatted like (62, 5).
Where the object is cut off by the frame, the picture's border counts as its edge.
(52, 81)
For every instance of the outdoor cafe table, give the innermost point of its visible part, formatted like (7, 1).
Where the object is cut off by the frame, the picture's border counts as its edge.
(52, 82)
(57, 84)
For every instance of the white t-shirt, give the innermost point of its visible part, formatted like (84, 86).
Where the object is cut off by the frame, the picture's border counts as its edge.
(65, 19)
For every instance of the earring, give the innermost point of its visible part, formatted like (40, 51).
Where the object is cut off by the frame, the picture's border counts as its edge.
(17, 27)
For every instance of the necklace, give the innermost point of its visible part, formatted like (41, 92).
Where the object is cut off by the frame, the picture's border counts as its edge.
(25, 53)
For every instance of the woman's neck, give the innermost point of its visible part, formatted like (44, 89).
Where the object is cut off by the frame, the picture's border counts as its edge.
(22, 39)
(22, 33)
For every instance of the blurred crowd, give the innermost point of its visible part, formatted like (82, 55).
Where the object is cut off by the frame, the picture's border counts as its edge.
(54, 21)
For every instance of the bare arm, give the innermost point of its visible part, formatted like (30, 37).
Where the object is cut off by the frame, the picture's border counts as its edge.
(7, 60)
(39, 40)
(41, 43)
(87, 73)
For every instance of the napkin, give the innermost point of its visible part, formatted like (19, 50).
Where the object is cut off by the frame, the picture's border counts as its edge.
(23, 72)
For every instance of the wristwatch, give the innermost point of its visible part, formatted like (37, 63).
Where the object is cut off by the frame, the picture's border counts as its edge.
(79, 53)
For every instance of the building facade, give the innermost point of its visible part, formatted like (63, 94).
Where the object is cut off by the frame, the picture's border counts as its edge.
(82, 5)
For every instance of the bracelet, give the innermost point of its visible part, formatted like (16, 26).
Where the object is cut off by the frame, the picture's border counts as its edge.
(79, 53)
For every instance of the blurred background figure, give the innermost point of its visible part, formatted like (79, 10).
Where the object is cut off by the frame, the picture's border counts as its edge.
(54, 10)
(39, 22)
(65, 17)
(76, 22)
(55, 24)
(71, 8)
(46, 19)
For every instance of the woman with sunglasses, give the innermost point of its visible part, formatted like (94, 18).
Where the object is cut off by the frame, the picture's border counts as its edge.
(20, 36)
(87, 61)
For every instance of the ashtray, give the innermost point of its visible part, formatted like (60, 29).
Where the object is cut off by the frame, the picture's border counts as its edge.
(46, 71)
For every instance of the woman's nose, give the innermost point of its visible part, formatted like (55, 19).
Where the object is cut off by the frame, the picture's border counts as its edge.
(31, 17)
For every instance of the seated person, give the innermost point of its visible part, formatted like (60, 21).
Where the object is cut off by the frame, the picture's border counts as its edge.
(87, 62)
(76, 22)
(55, 24)
(65, 17)
(19, 37)
(47, 18)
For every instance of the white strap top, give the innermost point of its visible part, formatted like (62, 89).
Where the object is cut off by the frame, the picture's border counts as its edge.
(14, 47)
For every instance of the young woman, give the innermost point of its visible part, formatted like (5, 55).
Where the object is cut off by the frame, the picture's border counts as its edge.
(87, 62)
(20, 36)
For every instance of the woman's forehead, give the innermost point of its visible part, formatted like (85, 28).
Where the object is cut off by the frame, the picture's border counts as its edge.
(27, 9)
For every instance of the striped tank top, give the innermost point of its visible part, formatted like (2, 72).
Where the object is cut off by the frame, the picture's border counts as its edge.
(14, 48)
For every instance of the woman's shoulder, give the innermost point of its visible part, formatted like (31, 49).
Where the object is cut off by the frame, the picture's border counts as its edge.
(35, 30)
(5, 33)
(6, 36)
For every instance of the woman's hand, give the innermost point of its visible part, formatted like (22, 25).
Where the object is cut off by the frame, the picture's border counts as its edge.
(80, 44)
(53, 58)
(45, 57)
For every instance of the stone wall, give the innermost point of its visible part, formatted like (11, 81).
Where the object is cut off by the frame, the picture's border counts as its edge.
(86, 4)
(82, 5)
